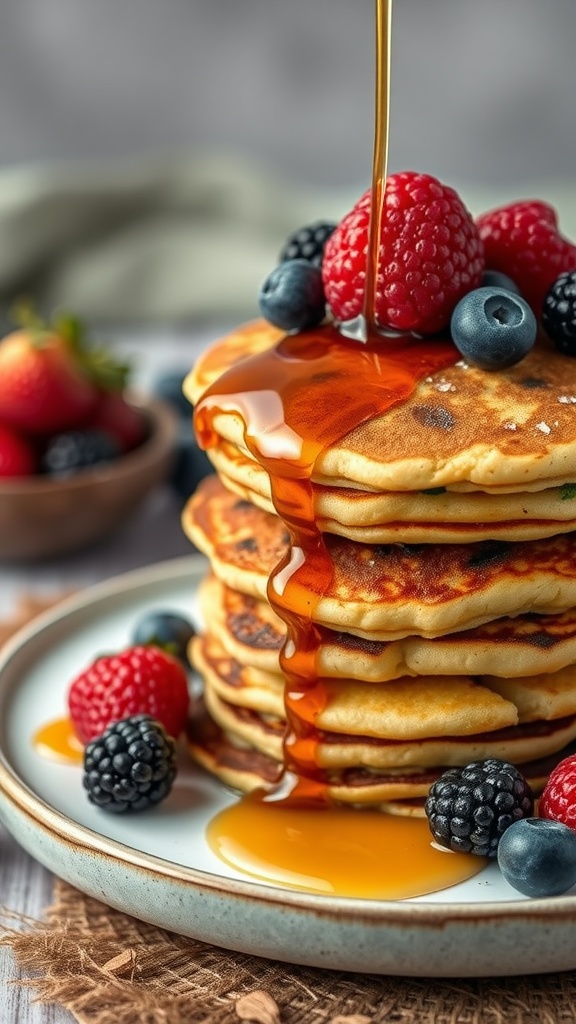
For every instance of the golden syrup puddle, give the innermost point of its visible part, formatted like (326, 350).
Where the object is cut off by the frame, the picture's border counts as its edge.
(57, 741)
(336, 851)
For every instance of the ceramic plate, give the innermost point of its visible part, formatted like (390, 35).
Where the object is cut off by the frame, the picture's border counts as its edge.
(158, 867)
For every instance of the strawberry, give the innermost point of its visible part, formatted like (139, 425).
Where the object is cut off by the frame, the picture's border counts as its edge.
(48, 377)
(430, 255)
(522, 240)
(140, 680)
(122, 421)
(17, 456)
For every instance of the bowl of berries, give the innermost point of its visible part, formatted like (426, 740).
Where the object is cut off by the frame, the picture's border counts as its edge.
(78, 450)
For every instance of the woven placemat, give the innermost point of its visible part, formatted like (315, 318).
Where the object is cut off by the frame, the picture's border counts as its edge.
(108, 968)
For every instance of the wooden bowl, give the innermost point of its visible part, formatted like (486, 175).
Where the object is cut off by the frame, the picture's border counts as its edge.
(43, 516)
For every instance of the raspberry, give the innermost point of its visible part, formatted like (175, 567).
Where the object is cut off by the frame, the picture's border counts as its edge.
(558, 801)
(430, 255)
(137, 681)
(523, 241)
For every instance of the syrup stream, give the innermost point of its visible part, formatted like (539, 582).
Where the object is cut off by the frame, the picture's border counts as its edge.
(380, 158)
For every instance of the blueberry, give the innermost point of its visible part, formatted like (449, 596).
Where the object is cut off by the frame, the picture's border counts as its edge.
(292, 296)
(537, 856)
(68, 452)
(493, 328)
(168, 630)
(495, 279)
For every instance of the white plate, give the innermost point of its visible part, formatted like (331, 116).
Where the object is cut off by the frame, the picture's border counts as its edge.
(158, 867)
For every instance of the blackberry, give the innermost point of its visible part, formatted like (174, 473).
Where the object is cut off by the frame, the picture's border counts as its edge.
(78, 449)
(307, 243)
(469, 809)
(559, 313)
(131, 766)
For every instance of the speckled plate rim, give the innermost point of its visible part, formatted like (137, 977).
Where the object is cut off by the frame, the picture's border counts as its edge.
(400, 938)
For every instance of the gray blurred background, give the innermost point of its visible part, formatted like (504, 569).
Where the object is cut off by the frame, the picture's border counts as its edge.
(482, 91)
(150, 151)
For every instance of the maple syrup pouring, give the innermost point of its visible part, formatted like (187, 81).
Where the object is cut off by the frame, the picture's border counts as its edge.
(380, 158)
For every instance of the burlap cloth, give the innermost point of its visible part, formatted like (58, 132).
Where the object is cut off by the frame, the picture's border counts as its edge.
(108, 968)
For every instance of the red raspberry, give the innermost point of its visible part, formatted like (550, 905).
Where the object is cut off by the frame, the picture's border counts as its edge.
(558, 801)
(523, 241)
(17, 457)
(138, 680)
(430, 255)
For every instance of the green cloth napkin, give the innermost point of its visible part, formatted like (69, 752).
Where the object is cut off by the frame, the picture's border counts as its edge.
(147, 240)
(168, 240)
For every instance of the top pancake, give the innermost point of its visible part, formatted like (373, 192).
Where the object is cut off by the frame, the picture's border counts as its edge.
(463, 428)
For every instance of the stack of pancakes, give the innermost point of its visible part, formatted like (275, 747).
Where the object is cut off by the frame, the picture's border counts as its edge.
(448, 631)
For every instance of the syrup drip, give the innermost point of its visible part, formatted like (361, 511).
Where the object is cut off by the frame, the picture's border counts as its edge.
(296, 400)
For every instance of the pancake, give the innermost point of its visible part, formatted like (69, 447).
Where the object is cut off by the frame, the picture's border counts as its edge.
(386, 592)
(463, 428)
(250, 631)
(517, 743)
(433, 516)
(244, 769)
(411, 708)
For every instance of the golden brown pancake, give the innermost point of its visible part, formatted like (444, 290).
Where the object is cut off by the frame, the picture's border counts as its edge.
(462, 428)
(251, 632)
(386, 592)
(243, 768)
(411, 724)
(403, 709)
(517, 743)
(409, 707)
(433, 516)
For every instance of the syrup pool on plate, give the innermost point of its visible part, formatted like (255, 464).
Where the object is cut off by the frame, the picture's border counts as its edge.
(58, 741)
(336, 851)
